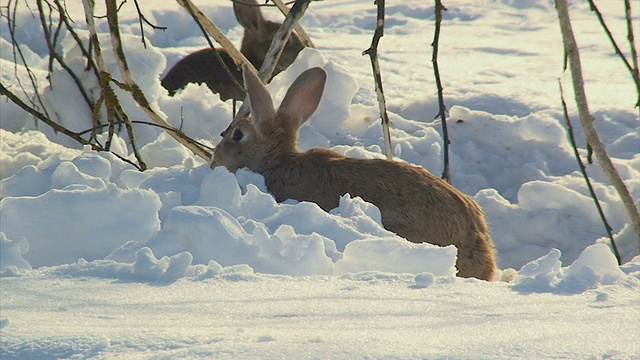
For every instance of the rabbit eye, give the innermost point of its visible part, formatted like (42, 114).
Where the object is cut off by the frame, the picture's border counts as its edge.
(237, 135)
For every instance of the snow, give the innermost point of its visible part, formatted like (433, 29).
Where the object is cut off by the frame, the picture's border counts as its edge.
(99, 260)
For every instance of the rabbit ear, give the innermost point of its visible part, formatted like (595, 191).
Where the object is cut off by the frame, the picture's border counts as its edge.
(303, 97)
(260, 101)
(249, 15)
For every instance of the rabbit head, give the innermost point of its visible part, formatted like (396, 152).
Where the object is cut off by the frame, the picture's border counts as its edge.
(269, 136)
(258, 34)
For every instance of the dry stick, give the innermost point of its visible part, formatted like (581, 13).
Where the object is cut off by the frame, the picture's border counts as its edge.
(45, 119)
(583, 170)
(107, 95)
(17, 49)
(209, 27)
(53, 54)
(304, 37)
(90, 64)
(214, 31)
(571, 50)
(131, 87)
(442, 110)
(632, 45)
(632, 70)
(280, 39)
(59, 26)
(135, 90)
(86, 53)
(167, 128)
(372, 51)
(222, 64)
(142, 19)
(106, 92)
(59, 128)
(46, 28)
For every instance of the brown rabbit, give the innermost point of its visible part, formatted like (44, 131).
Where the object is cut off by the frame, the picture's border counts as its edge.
(202, 66)
(414, 204)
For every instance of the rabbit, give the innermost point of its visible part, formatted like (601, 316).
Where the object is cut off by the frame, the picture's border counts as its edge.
(202, 66)
(414, 203)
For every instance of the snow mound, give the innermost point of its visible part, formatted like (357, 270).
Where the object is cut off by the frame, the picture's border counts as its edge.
(595, 267)
(518, 167)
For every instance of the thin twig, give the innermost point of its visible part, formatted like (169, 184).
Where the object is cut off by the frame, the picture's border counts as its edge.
(304, 37)
(216, 53)
(53, 54)
(214, 31)
(141, 19)
(167, 128)
(372, 51)
(587, 119)
(633, 70)
(17, 51)
(109, 97)
(634, 50)
(59, 128)
(583, 170)
(85, 52)
(91, 66)
(45, 119)
(133, 88)
(281, 38)
(442, 110)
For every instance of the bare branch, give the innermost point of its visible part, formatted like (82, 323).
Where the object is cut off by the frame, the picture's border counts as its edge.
(634, 55)
(17, 51)
(214, 31)
(583, 170)
(634, 50)
(571, 50)
(304, 37)
(107, 94)
(85, 52)
(219, 36)
(372, 51)
(45, 119)
(152, 124)
(134, 89)
(54, 55)
(442, 110)
(281, 38)
(141, 19)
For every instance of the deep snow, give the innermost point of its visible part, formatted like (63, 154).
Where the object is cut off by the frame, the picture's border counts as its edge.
(99, 260)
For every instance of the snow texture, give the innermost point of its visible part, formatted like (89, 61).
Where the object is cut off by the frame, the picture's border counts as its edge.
(100, 260)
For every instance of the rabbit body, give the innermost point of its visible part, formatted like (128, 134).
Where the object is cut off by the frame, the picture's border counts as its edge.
(191, 69)
(203, 66)
(413, 203)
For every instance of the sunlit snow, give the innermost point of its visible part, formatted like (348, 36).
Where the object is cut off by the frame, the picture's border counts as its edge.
(99, 260)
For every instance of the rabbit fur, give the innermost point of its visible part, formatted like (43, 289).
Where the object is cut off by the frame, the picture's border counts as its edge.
(202, 66)
(413, 203)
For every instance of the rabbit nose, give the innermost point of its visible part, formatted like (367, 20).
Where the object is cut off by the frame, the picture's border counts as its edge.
(216, 159)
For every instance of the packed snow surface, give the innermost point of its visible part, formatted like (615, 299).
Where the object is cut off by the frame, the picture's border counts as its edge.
(100, 260)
